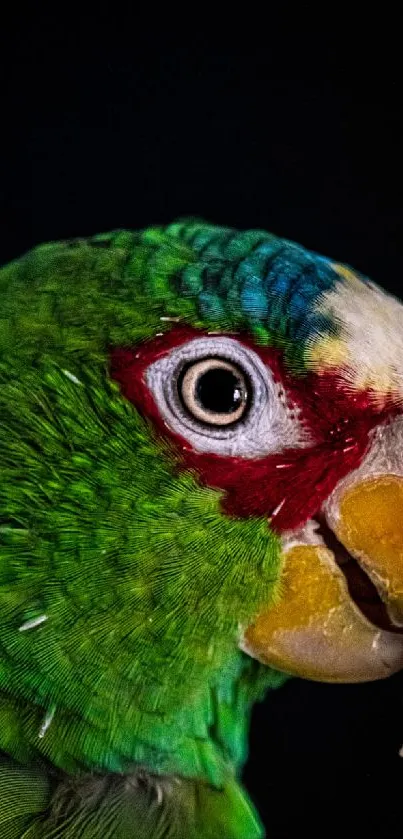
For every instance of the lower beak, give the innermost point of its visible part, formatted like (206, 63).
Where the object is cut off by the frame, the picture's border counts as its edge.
(317, 630)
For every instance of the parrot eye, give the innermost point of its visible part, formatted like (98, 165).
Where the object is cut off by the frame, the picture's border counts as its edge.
(214, 391)
(220, 397)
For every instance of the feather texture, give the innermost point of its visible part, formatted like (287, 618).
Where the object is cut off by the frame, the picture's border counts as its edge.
(124, 698)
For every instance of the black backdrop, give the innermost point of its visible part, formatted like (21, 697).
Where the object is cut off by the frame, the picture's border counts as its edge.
(116, 125)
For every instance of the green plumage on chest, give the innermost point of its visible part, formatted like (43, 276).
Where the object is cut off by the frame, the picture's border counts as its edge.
(122, 584)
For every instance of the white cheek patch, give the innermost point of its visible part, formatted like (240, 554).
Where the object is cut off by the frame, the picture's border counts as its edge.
(270, 425)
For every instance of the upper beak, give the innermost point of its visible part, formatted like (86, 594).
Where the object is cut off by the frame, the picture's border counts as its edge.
(317, 630)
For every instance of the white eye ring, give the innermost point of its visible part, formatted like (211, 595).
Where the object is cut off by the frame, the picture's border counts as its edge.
(266, 425)
(190, 388)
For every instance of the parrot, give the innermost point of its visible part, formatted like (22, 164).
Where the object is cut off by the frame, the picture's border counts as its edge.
(201, 497)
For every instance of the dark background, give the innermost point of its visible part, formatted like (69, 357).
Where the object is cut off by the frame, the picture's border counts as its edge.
(109, 123)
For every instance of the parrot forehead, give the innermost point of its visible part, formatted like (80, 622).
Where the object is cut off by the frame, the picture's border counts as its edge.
(326, 316)
(369, 345)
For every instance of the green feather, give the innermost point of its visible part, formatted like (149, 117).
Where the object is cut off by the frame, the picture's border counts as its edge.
(24, 793)
(142, 807)
(122, 584)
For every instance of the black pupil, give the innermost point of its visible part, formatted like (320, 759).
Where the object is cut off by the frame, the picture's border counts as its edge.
(219, 391)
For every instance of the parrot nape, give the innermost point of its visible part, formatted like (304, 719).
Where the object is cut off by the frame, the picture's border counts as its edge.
(201, 494)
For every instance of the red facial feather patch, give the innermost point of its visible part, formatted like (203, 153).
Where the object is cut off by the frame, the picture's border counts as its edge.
(290, 486)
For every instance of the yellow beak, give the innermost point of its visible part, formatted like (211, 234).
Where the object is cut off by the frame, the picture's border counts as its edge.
(317, 630)
(371, 528)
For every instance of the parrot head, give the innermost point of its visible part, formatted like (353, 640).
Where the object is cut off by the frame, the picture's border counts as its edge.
(201, 461)
(286, 395)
